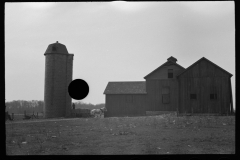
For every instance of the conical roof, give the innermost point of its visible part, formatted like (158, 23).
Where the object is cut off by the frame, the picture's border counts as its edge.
(56, 48)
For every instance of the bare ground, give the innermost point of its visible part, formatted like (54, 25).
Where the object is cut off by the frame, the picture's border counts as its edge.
(163, 134)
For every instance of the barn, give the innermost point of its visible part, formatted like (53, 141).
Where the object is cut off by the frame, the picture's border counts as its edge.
(125, 99)
(204, 88)
(162, 86)
(159, 92)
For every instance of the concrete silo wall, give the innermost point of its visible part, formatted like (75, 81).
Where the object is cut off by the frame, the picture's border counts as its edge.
(69, 80)
(58, 75)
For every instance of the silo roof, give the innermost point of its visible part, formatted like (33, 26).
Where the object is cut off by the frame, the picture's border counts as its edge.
(56, 48)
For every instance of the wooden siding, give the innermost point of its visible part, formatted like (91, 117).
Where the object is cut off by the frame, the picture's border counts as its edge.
(204, 69)
(155, 84)
(155, 91)
(121, 105)
(231, 97)
(162, 73)
(204, 79)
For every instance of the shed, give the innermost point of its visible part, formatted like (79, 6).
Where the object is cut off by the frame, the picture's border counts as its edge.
(205, 88)
(125, 98)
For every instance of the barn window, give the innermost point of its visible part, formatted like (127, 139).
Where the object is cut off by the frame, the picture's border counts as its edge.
(129, 99)
(213, 96)
(193, 96)
(170, 73)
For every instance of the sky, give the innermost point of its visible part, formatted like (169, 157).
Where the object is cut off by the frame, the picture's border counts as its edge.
(113, 41)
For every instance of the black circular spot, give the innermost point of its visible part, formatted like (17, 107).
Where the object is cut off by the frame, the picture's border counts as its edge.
(78, 89)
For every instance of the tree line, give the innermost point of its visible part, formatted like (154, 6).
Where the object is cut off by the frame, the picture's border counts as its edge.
(82, 105)
(19, 106)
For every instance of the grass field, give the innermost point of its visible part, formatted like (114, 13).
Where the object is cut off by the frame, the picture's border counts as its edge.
(162, 134)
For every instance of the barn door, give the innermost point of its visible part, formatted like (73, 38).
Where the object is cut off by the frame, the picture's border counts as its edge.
(165, 95)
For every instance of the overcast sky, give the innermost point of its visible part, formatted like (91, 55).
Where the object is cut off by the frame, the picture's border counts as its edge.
(113, 41)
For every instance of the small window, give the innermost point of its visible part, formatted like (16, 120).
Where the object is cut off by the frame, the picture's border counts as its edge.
(193, 96)
(170, 73)
(213, 96)
(54, 48)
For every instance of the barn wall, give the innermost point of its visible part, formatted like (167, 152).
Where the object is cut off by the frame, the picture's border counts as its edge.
(154, 86)
(204, 79)
(118, 105)
(162, 73)
(155, 94)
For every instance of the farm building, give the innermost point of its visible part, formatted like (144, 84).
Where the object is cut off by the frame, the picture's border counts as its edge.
(203, 87)
(157, 93)
(162, 87)
(125, 98)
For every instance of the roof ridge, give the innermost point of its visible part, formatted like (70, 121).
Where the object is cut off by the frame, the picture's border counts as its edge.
(126, 87)
(199, 61)
(162, 66)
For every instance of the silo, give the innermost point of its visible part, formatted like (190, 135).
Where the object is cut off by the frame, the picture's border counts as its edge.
(58, 75)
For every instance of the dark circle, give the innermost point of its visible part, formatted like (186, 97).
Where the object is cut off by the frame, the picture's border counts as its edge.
(78, 89)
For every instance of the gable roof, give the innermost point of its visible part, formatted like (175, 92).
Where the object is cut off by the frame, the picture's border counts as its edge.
(131, 87)
(164, 64)
(201, 59)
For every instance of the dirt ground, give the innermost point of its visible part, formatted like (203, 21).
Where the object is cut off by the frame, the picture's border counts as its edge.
(163, 134)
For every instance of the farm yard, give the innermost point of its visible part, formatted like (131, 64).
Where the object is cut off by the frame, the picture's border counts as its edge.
(160, 134)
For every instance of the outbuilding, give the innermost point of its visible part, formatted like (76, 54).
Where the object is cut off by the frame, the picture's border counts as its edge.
(125, 99)
(202, 88)
(205, 88)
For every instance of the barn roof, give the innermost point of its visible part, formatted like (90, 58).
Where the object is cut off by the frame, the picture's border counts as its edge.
(168, 63)
(130, 87)
(201, 59)
(172, 59)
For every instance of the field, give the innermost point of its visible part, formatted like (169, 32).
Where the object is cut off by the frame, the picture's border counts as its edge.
(162, 134)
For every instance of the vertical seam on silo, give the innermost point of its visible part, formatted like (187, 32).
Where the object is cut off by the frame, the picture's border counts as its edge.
(53, 79)
(66, 109)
